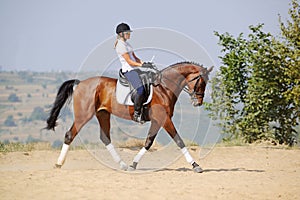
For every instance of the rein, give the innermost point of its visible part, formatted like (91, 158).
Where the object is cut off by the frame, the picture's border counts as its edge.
(193, 93)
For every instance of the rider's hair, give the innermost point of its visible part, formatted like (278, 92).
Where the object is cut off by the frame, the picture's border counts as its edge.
(116, 42)
(120, 35)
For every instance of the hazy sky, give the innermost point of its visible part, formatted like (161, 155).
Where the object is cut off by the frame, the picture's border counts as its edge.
(59, 34)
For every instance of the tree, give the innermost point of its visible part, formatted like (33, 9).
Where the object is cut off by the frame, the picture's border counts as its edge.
(290, 47)
(31, 139)
(258, 84)
(230, 85)
(13, 98)
(38, 113)
(57, 144)
(10, 121)
(289, 51)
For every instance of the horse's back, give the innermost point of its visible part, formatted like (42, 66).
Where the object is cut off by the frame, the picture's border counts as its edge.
(90, 84)
(87, 88)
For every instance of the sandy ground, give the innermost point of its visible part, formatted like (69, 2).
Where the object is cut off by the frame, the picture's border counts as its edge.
(252, 172)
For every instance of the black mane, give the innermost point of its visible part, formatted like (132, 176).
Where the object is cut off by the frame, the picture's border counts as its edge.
(182, 63)
(186, 62)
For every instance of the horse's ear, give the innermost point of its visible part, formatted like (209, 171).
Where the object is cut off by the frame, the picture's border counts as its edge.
(210, 69)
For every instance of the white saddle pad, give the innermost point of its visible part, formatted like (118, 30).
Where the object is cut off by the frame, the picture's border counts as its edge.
(125, 99)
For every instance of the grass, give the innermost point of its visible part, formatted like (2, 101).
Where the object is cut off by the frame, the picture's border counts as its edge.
(33, 146)
(190, 143)
(232, 142)
(131, 144)
(136, 144)
(17, 146)
(262, 143)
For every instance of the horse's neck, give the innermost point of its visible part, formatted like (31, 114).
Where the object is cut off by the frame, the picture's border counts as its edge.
(175, 78)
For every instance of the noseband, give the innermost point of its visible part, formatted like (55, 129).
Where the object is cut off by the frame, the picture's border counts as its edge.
(194, 93)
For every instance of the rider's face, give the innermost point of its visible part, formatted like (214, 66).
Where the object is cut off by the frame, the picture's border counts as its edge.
(127, 35)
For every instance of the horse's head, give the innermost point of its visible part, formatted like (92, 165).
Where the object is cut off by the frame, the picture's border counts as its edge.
(196, 83)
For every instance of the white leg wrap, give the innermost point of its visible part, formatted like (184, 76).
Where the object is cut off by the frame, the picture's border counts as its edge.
(187, 155)
(138, 157)
(123, 165)
(62, 157)
(113, 153)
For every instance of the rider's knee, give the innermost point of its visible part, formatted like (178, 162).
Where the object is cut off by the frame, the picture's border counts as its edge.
(140, 90)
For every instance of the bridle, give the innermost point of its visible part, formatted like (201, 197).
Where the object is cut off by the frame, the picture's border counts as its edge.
(194, 94)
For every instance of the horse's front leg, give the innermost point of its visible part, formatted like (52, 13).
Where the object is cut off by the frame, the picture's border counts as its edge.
(170, 128)
(154, 128)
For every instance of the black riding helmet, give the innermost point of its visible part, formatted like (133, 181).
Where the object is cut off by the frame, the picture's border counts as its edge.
(122, 28)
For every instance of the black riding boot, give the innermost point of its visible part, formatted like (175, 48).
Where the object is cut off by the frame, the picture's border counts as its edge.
(138, 103)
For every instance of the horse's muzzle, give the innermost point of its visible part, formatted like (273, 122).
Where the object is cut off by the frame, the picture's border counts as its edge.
(196, 103)
(197, 100)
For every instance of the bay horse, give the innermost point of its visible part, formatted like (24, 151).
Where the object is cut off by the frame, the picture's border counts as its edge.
(96, 96)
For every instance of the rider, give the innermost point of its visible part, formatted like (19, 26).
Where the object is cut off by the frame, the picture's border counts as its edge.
(130, 62)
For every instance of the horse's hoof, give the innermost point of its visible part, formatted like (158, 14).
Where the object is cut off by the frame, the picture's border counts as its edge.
(131, 168)
(198, 169)
(123, 166)
(57, 166)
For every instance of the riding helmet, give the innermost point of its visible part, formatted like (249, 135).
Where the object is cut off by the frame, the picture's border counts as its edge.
(123, 28)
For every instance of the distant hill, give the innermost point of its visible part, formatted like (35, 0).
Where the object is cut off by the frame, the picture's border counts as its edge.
(36, 91)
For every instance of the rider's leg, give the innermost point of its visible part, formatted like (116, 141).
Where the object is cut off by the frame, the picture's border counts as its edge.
(135, 80)
(138, 104)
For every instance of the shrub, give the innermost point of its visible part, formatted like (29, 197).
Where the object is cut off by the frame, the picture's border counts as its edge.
(256, 93)
(31, 139)
(38, 113)
(44, 85)
(10, 121)
(13, 98)
(57, 144)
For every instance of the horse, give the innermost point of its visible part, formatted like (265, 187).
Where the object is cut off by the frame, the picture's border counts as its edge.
(96, 96)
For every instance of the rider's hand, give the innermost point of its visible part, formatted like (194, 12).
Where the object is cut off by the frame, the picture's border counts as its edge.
(147, 65)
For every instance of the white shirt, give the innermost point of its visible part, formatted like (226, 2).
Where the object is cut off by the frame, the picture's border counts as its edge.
(122, 48)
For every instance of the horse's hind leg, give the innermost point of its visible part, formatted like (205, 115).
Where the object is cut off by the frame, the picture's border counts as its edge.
(69, 137)
(104, 120)
(79, 121)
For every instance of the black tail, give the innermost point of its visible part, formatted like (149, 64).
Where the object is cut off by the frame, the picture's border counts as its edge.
(64, 93)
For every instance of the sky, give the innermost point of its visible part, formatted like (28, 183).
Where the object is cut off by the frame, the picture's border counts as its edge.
(43, 35)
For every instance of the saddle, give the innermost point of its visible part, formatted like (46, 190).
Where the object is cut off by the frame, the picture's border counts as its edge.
(149, 75)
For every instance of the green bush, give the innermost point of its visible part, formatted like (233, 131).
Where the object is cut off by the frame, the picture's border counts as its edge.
(38, 113)
(13, 98)
(57, 144)
(256, 94)
(10, 121)
(31, 139)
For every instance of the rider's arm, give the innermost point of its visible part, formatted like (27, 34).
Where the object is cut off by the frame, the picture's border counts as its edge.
(136, 58)
(131, 62)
